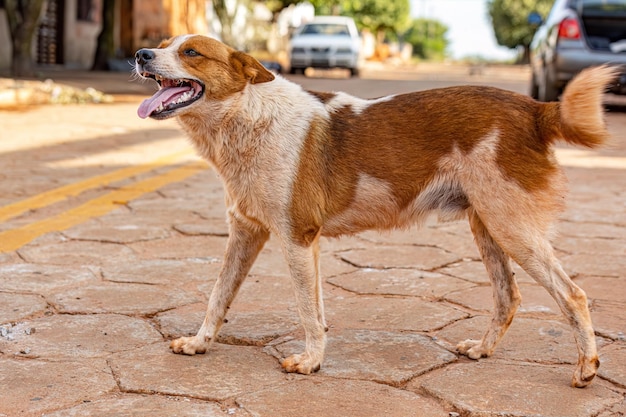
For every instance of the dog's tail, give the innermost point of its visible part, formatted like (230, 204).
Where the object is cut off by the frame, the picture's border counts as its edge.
(580, 114)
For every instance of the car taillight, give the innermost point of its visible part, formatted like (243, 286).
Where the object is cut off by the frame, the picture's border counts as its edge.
(569, 29)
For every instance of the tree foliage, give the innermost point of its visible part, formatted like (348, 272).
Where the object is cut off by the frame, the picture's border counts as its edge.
(379, 16)
(428, 38)
(23, 17)
(510, 20)
(276, 6)
(226, 16)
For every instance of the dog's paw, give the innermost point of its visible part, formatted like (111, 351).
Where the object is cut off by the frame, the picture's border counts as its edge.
(189, 345)
(473, 349)
(302, 363)
(585, 372)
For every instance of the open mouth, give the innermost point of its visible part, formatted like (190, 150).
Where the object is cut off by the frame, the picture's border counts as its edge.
(172, 95)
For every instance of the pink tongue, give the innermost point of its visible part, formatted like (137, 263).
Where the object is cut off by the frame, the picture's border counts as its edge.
(163, 96)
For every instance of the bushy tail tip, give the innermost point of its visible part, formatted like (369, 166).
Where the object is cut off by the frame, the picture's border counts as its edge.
(581, 110)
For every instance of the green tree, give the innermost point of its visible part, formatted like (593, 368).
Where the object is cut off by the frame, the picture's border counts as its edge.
(226, 12)
(23, 18)
(428, 38)
(510, 21)
(276, 6)
(326, 7)
(382, 17)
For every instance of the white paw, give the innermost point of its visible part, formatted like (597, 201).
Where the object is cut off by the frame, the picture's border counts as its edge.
(473, 349)
(189, 345)
(302, 363)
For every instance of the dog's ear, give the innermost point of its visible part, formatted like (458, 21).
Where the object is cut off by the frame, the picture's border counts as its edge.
(251, 69)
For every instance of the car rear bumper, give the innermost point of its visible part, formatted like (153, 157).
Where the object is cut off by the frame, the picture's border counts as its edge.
(569, 62)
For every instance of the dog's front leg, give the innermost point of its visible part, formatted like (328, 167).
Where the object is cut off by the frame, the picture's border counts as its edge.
(304, 267)
(245, 241)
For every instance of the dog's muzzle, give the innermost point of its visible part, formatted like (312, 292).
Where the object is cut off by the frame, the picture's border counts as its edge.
(143, 56)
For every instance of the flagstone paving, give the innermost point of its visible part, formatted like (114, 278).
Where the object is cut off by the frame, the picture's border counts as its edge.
(87, 313)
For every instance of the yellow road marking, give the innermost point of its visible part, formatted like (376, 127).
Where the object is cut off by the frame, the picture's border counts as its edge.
(62, 193)
(14, 239)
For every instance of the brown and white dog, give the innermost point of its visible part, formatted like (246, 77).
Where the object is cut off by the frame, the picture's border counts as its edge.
(304, 164)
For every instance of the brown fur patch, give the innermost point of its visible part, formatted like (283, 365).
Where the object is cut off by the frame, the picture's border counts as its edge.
(400, 142)
(165, 43)
(322, 96)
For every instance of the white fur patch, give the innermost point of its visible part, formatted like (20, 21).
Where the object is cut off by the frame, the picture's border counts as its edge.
(357, 104)
(371, 207)
(266, 181)
(374, 207)
(488, 146)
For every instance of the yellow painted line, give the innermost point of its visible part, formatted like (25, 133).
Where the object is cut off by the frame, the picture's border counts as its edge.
(62, 193)
(14, 239)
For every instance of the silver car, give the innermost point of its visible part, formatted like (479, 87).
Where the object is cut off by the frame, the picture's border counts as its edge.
(577, 34)
(326, 42)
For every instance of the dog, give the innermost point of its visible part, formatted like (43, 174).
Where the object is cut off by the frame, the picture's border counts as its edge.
(303, 164)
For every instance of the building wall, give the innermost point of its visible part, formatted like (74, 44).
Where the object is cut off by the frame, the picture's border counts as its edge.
(152, 21)
(81, 36)
(149, 23)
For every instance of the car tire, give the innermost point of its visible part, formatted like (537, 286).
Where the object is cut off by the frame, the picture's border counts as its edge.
(546, 90)
(296, 70)
(354, 72)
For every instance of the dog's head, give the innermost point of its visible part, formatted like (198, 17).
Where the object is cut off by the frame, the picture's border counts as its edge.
(192, 68)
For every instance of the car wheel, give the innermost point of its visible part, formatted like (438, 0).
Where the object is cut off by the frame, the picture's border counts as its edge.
(546, 89)
(354, 72)
(296, 70)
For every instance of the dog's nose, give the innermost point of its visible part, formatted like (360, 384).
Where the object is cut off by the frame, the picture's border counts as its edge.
(144, 55)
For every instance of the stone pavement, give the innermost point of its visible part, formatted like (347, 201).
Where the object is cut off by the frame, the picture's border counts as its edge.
(88, 307)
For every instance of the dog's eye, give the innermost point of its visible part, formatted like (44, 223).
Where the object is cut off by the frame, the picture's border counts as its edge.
(191, 52)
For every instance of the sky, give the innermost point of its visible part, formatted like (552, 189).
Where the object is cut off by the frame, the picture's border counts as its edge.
(469, 28)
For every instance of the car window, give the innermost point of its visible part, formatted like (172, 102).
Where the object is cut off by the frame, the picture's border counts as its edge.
(325, 29)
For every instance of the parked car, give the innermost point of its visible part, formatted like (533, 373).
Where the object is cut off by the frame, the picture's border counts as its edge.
(577, 34)
(326, 42)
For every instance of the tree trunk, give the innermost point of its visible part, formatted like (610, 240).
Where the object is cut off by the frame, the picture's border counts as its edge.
(226, 21)
(525, 58)
(23, 17)
(105, 48)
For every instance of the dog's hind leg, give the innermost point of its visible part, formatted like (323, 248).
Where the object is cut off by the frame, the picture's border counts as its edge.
(245, 241)
(505, 291)
(526, 243)
(540, 263)
(304, 267)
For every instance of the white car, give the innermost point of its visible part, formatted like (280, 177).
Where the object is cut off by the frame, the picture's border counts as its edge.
(326, 42)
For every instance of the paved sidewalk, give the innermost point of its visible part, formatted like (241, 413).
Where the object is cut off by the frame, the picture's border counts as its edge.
(87, 311)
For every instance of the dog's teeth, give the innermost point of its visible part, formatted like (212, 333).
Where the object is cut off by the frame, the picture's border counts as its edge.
(184, 97)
